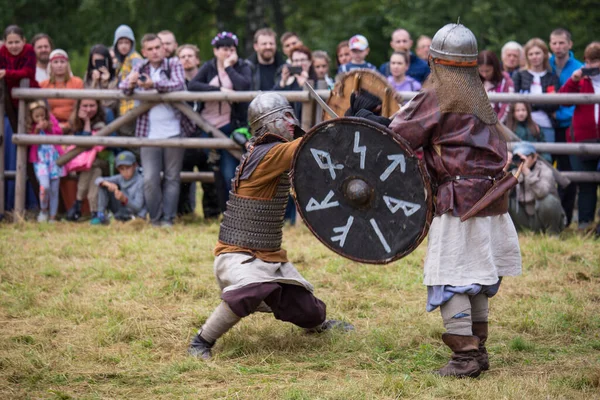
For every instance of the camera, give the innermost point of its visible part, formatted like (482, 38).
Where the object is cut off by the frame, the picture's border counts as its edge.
(99, 64)
(294, 70)
(590, 71)
(143, 78)
(516, 159)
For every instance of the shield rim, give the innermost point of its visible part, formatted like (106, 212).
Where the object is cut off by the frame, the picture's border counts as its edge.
(405, 146)
(338, 87)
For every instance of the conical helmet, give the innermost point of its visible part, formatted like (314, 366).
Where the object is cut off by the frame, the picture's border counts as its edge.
(455, 43)
(267, 112)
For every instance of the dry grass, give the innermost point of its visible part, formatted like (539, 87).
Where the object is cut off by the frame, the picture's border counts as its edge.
(107, 312)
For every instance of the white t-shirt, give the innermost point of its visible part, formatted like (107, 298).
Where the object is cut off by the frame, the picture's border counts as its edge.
(539, 117)
(596, 83)
(41, 74)
(162, 118)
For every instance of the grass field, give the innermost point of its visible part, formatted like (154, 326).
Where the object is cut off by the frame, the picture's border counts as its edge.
(107, 313)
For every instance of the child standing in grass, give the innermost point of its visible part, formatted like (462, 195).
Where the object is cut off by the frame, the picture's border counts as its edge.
(43, 157)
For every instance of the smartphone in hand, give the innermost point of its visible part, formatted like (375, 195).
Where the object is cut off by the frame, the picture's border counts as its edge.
(99, 64)
(590, 71)
(294, 70)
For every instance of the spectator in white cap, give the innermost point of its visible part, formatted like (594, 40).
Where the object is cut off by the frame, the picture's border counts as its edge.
(534, 203)
(359, 50)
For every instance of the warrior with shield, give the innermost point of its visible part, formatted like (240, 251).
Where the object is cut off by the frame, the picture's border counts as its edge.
(472, 241)
(251, 268)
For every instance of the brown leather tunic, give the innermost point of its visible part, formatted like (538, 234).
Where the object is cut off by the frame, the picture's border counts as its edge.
(455, 145)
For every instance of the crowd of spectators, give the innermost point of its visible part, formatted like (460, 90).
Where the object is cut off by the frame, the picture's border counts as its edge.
(537, 67)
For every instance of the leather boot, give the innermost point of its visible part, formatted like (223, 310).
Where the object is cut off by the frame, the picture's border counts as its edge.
(200, 348)
(464, 352)
(480, 329)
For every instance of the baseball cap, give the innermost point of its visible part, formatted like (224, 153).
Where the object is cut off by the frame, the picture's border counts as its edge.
(358, 42)
(125, 158)
(524, 148)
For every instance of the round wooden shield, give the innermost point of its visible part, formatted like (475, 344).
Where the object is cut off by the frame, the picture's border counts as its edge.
(374, 82)
(362, 192)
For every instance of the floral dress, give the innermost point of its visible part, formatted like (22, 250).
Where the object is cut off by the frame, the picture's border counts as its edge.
(46, 165)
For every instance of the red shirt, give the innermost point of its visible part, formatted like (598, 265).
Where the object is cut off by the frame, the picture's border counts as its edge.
(584, 127)
(18, 67)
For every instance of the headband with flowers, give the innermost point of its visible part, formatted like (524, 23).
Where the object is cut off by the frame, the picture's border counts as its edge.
(224, 39)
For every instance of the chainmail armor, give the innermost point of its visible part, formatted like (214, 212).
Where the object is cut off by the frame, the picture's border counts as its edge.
(256, 223)
(459, 90)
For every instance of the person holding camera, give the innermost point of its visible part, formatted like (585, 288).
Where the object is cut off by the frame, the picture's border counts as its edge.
(585, 128)
(101, 75)
(534, 203)
(294, 76)
(161, 122)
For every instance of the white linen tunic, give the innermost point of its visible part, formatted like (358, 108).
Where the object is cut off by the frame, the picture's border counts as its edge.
(479, 250)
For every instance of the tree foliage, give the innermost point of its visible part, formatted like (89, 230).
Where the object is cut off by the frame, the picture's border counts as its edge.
(76, 25)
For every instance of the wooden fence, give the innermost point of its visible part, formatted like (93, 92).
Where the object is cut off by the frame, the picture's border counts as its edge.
(311, 113)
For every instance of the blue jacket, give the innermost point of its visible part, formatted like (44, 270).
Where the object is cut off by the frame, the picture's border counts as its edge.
(418, 68)
(565, 114)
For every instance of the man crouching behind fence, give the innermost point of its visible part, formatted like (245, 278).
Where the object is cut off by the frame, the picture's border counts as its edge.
(250, 266)
(161, 122)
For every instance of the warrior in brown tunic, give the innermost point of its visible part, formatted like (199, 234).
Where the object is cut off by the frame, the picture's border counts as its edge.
(251, 268)
(465, 154)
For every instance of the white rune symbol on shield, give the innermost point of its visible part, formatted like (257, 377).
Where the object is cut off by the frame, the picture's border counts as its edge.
(397, 160)
(362, 150)
(314, 205)
(323, 160)
(406, 206)
(343, 232)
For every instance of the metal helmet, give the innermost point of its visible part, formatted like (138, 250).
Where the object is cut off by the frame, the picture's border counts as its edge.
(455, 43)
(268, 112)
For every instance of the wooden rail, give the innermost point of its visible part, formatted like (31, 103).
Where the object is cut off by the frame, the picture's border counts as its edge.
(310, 114)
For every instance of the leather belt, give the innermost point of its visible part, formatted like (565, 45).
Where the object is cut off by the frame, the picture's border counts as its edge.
(464, 177)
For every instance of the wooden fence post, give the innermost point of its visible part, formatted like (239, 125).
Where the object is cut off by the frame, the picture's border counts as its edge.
(21, 170)
(308, 113)
(2, 177)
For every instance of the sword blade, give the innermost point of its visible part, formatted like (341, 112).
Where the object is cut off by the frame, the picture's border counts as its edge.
(319, 100)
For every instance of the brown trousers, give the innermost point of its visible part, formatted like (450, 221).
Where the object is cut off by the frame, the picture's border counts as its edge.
(290, 303)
